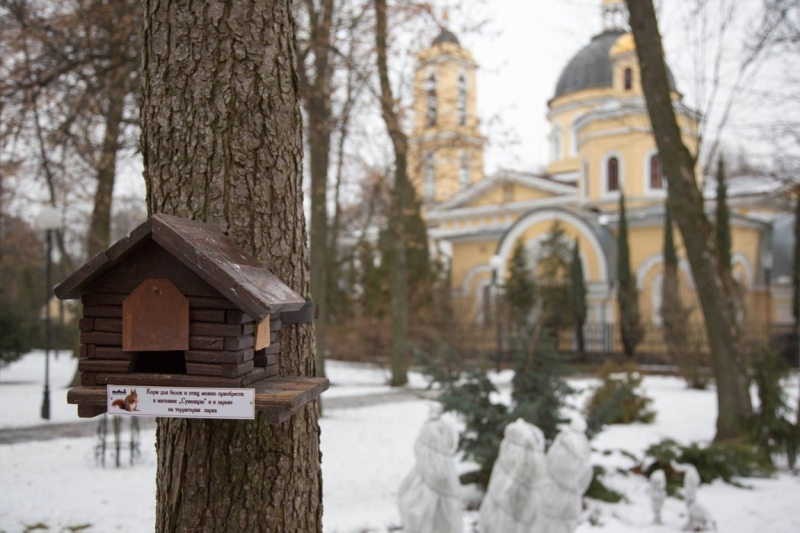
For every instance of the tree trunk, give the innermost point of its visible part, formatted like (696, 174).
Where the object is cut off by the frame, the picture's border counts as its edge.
(222, 143)
(100, 226)
(317, 98)
(686, 205)
(401, 201)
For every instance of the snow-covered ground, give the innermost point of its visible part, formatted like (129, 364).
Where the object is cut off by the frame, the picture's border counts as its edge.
(367, 451)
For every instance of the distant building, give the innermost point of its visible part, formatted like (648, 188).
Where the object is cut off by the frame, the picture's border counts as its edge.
(601, 145)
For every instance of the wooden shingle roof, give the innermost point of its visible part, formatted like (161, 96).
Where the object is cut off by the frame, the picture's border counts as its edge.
(205, 250)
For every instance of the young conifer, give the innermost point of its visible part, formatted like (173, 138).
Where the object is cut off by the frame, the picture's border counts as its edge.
(630, 322)
(578, 295)
(519, 288)
(723, 226)
(796, 270)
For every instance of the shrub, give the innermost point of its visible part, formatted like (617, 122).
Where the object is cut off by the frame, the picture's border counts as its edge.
(618, 399)
(599, 491)
(726, 460)
(538, 397)
(14, 338)
(770, 426)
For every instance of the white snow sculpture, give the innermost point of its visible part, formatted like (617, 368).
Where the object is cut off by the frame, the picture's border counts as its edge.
(428, 498)
(510, 505)
(658, 493)
(569, 475)
(691, 481)
(699, 517)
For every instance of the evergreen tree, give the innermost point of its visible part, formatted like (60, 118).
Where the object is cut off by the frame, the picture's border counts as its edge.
(552, 274)
(520, 288)
(630, 322)
(796, 270)
(578, 295)
(539, 396)
(14, 338)
(723, 226)
(539, 390)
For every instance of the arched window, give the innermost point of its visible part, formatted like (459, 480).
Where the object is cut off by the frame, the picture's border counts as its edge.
(612, 174)
(462, 100)
(555, 144)
(656, 173)
(463, 171)
(430, 101)
(628, 79)
(429, 177)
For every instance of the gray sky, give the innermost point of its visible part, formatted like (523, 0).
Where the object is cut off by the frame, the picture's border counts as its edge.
(529, 42)
(526, 43)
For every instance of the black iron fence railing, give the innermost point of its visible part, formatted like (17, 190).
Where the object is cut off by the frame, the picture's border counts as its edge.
(602, 341)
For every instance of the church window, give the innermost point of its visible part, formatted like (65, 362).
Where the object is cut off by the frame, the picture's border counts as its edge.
(430, 101)
(656, 173)
(555, 146)
(462, 100)
(628, 79)
(429, 177)
(612, 174)
(463, 171)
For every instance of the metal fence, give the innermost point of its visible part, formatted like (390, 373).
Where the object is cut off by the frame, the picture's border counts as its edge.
(602, 341)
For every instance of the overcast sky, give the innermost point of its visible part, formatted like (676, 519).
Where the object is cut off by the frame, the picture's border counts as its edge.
(528, 43)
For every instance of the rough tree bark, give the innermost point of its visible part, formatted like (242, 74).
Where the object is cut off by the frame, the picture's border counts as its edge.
(686, 205)
(401, 201)
(315, 87)
(222, 143)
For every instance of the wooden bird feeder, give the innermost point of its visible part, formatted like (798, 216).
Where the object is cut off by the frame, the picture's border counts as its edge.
(177, 303)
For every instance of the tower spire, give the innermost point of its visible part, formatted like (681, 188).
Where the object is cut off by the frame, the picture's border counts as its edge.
(615, 15)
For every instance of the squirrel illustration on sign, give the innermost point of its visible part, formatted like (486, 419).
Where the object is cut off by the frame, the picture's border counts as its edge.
(130, 403)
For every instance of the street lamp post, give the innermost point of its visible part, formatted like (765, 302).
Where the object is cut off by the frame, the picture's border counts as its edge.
(496, 263)
(49, 219)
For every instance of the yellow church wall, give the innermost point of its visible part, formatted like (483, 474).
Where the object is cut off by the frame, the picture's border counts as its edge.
(649, 307)
(563, 120)
(644, 243)
(468, 255)
(510, 192)
(447, 160)
(745, 241)
(630, 146)
(568, 164)
(590, 259)
(629, 138)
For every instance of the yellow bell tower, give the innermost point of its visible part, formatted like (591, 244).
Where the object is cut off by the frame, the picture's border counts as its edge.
(446, 146)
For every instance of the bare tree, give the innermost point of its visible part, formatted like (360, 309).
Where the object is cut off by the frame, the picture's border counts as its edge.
(70, 76)
(685, 201)
(222, 143)
(401, 200)
(315, 72)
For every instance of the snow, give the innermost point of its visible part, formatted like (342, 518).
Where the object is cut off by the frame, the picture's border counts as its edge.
(367, 451)
(21, 386)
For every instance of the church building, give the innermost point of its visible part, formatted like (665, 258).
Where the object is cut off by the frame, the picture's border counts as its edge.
(601, 146)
